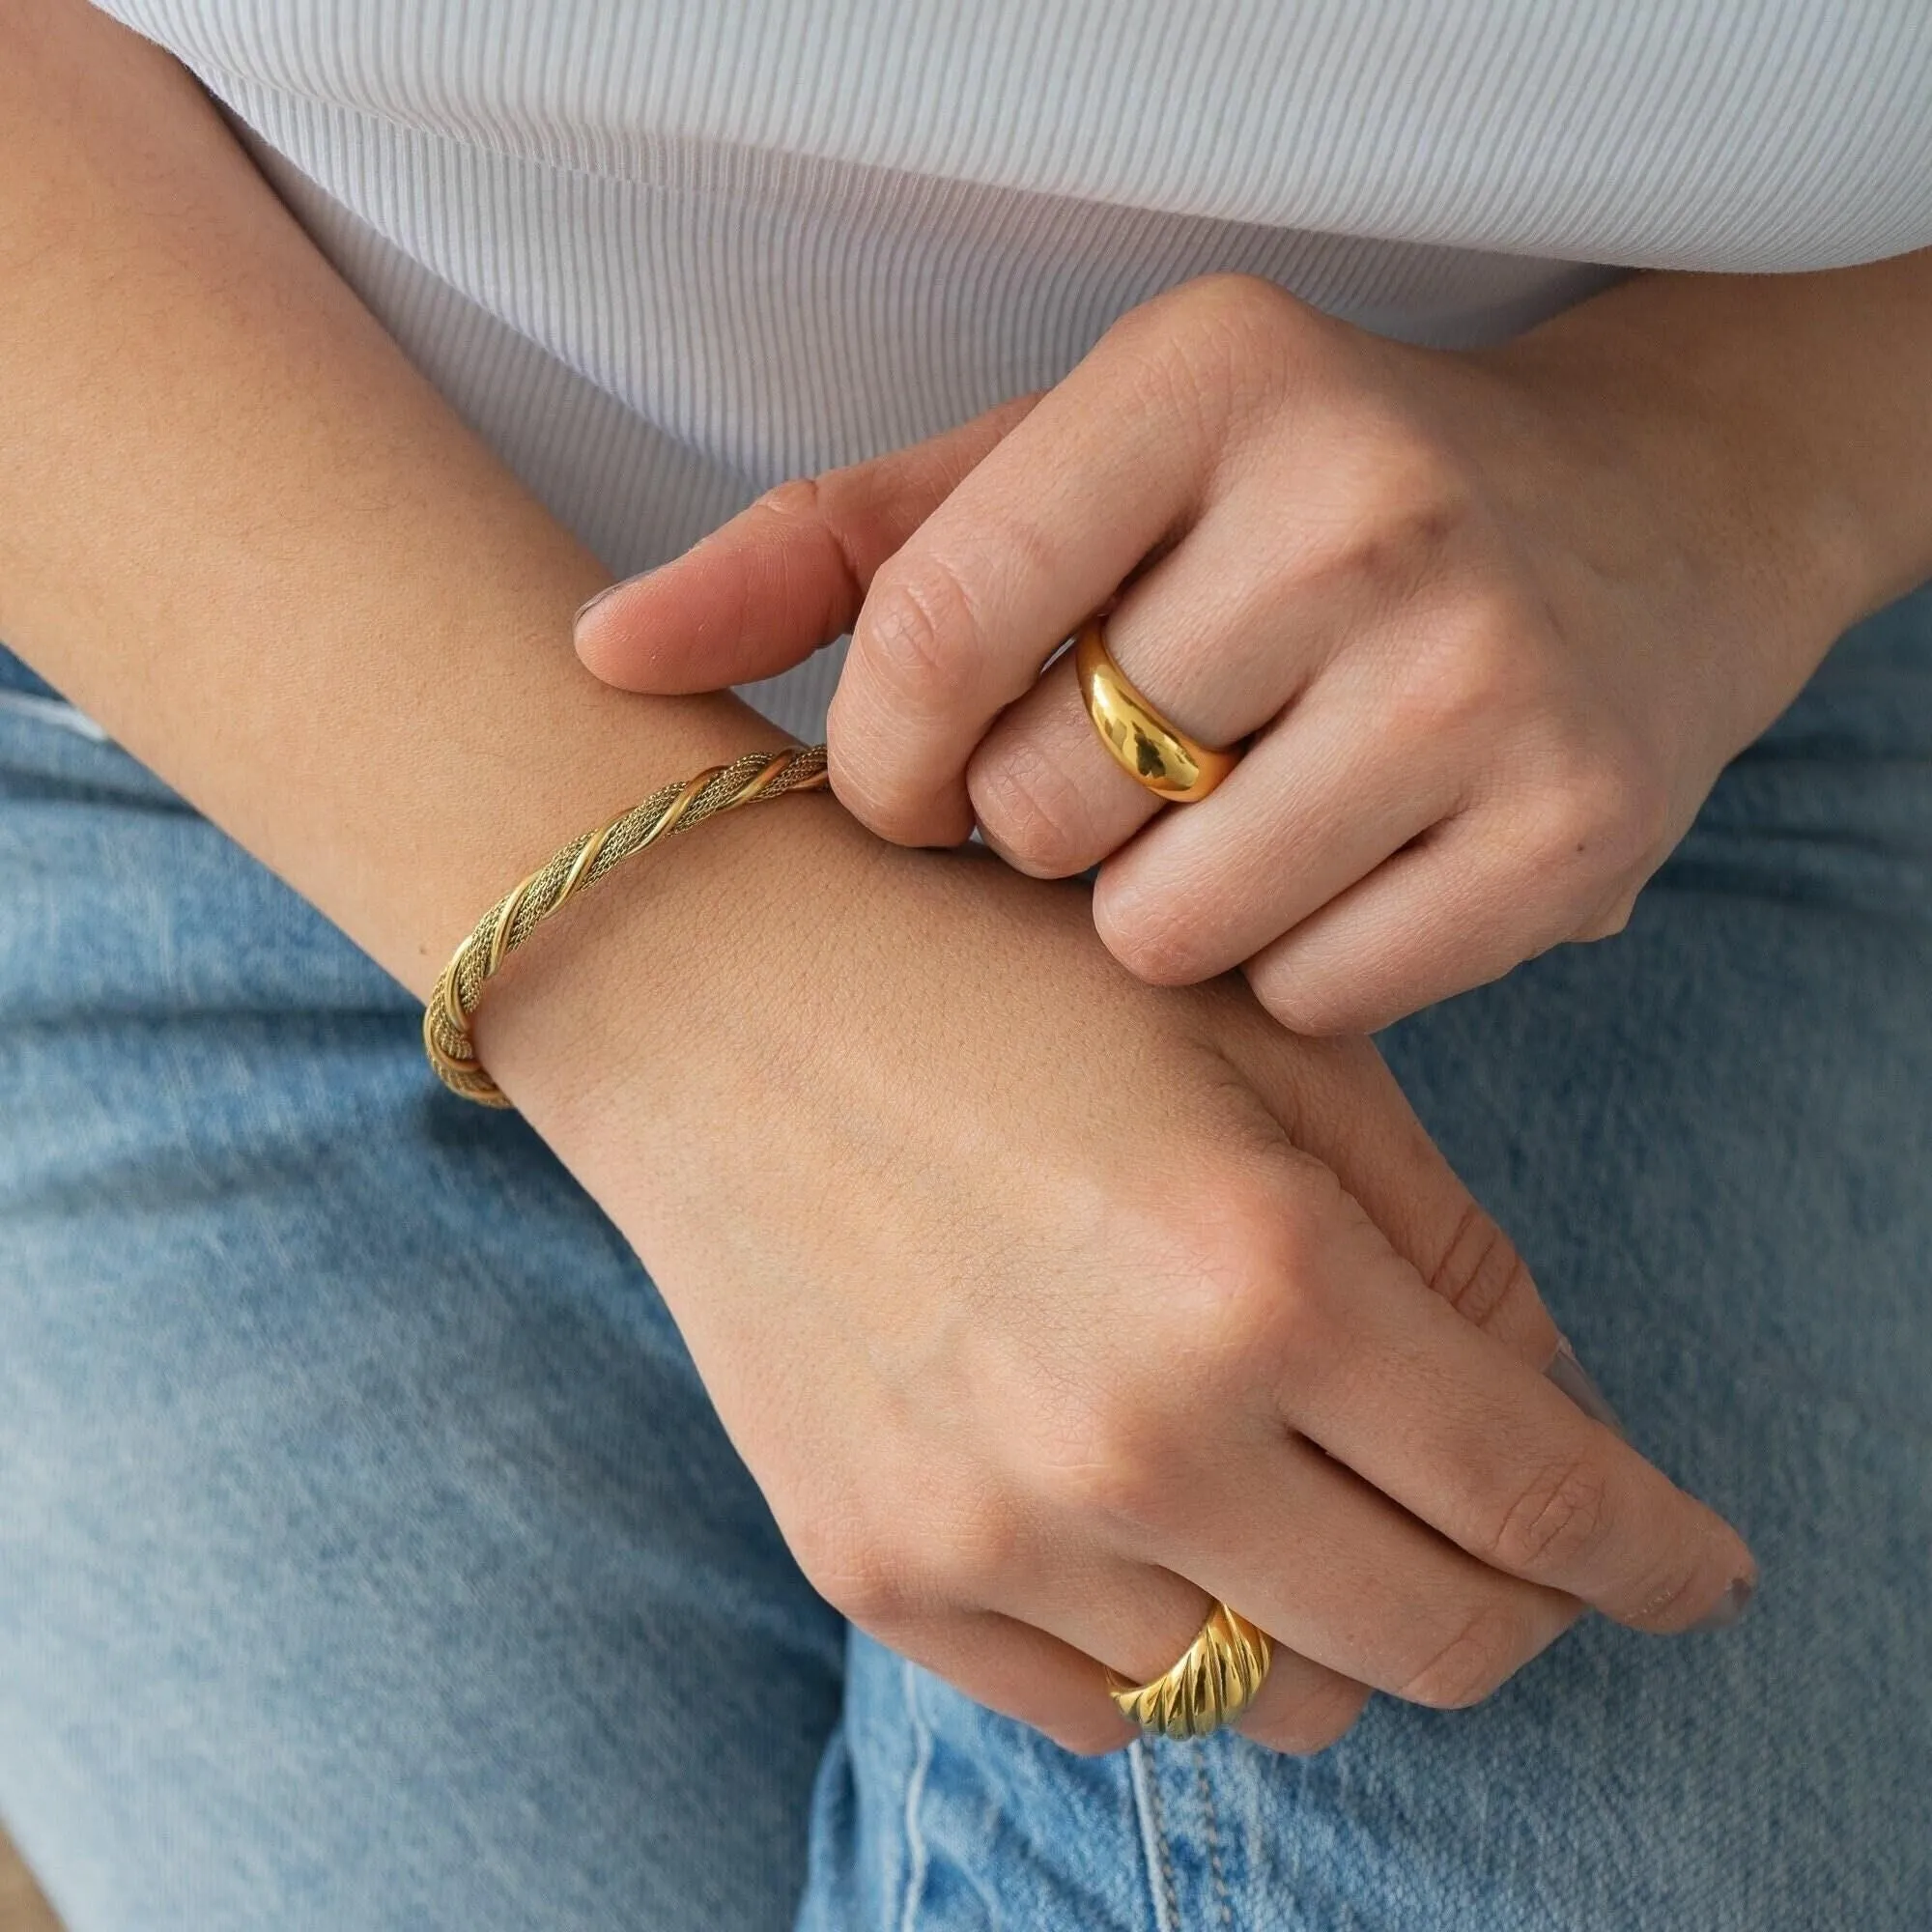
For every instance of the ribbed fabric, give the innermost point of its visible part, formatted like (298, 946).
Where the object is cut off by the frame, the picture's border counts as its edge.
(665, 255)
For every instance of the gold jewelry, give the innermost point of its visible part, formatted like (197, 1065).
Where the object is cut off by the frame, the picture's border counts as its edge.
(675, 808)
(1144, 745)
(1214, 1681)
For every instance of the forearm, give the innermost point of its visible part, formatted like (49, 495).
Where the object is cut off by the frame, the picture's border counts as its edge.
(241, 531)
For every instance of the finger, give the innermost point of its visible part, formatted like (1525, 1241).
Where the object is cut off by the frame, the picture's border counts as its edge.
(959, 623)
(1315, 805)
(1021, 1666)
(1435, 1414)
(1337, 1100)
(1303, 1707)
(1048, 797)
(1348, 1581)
(1138, 1620)
(1021, 1671)
(786, 575)
(1451, 911)
(1220, 635)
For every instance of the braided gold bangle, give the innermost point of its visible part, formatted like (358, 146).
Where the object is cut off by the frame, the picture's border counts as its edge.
(676, 808)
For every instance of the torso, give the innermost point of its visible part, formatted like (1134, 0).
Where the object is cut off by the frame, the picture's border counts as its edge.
(666, 255)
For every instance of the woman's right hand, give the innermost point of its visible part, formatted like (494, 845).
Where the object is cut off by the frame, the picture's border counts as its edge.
(1046, 1306)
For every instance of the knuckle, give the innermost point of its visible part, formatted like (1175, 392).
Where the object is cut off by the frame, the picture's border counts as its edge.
(1557, 1519)
(1465, 676)
(1480, 1656)
(1237, 313)
(1228, 291)
(917, 631)
(1409, 511)
(1102, 1453)
(1031, 807)
(1480, 1274)
(968, 1554)
(1613, 807)
(1156, 936)
(797, 499)
(1256, 1284)
(1205, 351)
(1310, 1001)
(832, 507)
(1242, 1307)
(1117, 1482)
(1653, 825)
(1323, 1718)
(1597, 818)
(1610, 922)
(859, 1575)
(865, 1590)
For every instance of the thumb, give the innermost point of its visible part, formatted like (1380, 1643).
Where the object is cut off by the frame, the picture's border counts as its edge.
(783, 577)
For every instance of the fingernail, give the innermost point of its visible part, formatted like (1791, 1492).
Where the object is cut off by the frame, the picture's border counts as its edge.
(1580, 1386)
(1729, 1608)
(590, 603)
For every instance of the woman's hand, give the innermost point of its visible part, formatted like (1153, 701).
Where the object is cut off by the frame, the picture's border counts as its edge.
(1028, 1292)
(1491, 624)
(1046, 1307)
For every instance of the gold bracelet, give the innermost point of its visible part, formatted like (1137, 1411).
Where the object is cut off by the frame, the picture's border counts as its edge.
(676, 807)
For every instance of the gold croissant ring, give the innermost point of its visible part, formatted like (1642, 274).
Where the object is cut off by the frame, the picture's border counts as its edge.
(1144, 746)
(1215, 1678)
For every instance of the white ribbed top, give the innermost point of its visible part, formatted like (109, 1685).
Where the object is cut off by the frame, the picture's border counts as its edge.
(665, 253)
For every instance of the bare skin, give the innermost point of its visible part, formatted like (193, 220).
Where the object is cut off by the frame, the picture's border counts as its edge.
(1492, 622)
(1046, 1306)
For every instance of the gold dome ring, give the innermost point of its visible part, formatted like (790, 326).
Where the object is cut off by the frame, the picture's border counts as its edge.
(1144, 745)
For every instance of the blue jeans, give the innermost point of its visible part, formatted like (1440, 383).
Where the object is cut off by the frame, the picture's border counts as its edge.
(370, 1556)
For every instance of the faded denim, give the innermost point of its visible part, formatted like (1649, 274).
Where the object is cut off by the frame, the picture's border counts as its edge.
(370, 1556)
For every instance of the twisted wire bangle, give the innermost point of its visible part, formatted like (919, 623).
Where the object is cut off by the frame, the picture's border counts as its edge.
(676, 808)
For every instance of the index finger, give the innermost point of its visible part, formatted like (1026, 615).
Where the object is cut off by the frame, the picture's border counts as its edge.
(1460, 1431)
(959, 623)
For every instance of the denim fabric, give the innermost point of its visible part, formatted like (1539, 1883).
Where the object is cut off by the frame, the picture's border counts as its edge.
(370, 1558)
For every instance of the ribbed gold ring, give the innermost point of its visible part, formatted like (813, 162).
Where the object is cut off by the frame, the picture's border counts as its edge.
(1144, 745)
(1214, 1681)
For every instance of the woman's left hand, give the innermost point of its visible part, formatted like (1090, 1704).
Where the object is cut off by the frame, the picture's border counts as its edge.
(1489, 623)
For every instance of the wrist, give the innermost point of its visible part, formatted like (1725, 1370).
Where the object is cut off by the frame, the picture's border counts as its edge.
(1758, 411)
(669, 982)
(1725, 558)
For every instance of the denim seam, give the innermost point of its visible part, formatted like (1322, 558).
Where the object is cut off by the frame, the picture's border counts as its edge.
(922, 1762)
(1145, 1780)
(1221, 1896)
